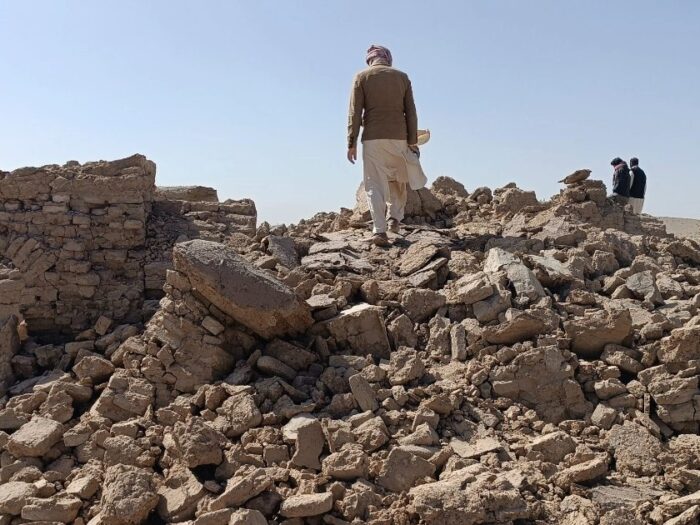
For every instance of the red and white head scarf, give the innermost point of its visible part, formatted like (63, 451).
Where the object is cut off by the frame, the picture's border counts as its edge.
(378, 55)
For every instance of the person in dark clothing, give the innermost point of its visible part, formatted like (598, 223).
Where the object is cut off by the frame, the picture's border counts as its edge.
(638, 185)
(621, 181)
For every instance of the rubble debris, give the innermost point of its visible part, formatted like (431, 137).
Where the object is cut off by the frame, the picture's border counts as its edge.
(505, 359)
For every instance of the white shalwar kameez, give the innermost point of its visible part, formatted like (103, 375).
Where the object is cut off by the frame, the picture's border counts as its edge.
(389, 167)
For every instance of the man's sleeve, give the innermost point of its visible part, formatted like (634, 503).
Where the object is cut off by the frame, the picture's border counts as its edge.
(631, 177)
(357, 104)
(409, 108)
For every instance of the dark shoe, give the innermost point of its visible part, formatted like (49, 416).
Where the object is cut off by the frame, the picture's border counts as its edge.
(380, 239)
(394, 225)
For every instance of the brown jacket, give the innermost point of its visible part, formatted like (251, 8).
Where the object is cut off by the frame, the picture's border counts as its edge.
(382, 101)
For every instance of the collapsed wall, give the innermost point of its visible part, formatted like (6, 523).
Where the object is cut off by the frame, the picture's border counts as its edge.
(505, 360)
(71, 239)
(181, 214)
(81, 241)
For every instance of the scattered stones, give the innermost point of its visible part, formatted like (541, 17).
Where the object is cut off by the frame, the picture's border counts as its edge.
(504, 360)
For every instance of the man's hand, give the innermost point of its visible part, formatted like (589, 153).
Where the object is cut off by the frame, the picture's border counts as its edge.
(352, 154)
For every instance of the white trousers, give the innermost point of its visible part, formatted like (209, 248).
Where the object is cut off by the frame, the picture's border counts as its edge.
(385, 178)
(637, 205)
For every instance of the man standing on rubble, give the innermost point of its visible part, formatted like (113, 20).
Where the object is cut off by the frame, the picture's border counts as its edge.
(382, 102)
(621, 181)
(638, 186)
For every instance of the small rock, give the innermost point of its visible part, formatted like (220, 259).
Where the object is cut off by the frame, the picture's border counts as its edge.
(247, 517)
(552, 447)
(94, 367)
(309, 441)
(36, 437)
(420, 304)
(128, 495)
(83, 487)
(405, 366)
(479, 448)
(361, 329)
(304, 505)
(581, 472)
(348, 464)
(14, 495)
(240, 489)
(636, 451)
(608, 388)
(274, 367)
(363, 393)
(61, 508)
(371, 434)
(603, 416)
(402, 469)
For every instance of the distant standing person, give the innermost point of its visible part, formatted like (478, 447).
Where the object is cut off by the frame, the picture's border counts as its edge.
(621, 181)
(638, 186)
(382, 102)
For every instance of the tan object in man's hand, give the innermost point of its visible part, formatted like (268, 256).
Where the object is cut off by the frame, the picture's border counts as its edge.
(423, 136)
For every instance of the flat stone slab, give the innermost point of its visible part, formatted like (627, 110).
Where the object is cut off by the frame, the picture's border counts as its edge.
(475, 450)
(248, 295)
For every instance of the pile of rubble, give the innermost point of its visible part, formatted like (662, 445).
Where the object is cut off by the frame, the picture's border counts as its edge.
(506, 360)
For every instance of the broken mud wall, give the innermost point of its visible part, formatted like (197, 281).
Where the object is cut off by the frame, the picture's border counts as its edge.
(80, 241)
(72, 239)
(186, 213)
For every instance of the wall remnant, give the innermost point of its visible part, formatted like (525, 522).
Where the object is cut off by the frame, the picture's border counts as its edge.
(80, 241)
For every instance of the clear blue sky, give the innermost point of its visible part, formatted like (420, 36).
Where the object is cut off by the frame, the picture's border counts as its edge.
(251, 97)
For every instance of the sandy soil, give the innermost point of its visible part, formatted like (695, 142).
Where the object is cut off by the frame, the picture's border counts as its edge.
(682, 227)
